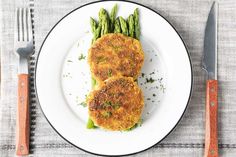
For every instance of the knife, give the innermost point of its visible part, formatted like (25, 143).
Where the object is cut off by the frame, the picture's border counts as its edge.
(210, 66)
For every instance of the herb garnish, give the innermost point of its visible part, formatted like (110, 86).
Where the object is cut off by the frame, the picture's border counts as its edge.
(109, 72)
(81, 57)
(160, 80)
(107, 104)
(150, 80)
(116, 106)
(100, 59)
(152, 73)
(110, 104)
(162, 88)
(83, 104)
(106, 114)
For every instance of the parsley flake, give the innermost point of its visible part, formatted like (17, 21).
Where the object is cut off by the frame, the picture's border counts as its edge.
(81, 57)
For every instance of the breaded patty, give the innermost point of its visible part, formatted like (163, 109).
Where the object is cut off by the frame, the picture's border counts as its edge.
(115, 55)
(116, 104)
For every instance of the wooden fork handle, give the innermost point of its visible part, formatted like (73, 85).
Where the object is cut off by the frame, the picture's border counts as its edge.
(211, 138)
(22, 123)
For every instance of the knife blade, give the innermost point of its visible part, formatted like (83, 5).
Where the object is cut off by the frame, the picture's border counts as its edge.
(210, 66)
(210, 43)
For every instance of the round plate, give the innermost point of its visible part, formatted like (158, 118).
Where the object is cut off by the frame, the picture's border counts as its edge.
(63, 81)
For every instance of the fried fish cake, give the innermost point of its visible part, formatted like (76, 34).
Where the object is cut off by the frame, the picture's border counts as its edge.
(115, 54)
(116, 104)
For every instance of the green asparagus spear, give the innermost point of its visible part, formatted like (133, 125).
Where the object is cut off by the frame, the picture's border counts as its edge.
(136, 24)
(106, 25)
(97, 33)
(93, 24)
(117, 28)
(123, 25)
(102, 12)
(90, 124)
(113, 17)
(94, 82)
(131, 25)
(104, 19)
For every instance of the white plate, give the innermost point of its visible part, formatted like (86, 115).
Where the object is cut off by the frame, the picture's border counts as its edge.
(63, 81)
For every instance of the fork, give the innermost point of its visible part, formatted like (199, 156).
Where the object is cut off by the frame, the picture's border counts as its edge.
(24, 47)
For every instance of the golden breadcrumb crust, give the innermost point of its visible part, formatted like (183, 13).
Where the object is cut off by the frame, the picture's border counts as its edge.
(116, 104)
(115, 54)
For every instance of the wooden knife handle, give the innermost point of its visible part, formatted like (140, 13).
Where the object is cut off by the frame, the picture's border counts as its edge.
(211, 137)
(22, 123)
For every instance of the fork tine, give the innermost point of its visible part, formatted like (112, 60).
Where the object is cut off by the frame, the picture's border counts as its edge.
(23, 32)
(20, 24)
(29, 23)
(17, 29)
(24, 26)
(27, 26)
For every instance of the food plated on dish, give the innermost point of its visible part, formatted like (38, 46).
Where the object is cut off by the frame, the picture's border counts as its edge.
(152, 101)
(117, 104)
(115, 59)
(115, 54)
